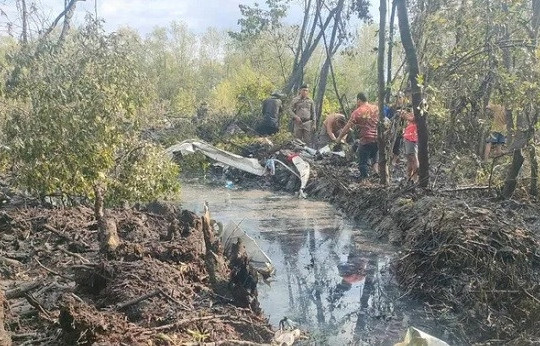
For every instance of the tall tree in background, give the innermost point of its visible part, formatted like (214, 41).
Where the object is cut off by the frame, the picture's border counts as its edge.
(308, 40)
(330, 48)
(383, 164)
(390, 53)
(24, 12)
(414, 76)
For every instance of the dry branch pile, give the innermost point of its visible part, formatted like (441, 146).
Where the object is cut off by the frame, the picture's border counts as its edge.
(155, 287)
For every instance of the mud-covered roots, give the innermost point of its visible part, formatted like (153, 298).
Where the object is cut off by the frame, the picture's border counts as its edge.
(65, 291)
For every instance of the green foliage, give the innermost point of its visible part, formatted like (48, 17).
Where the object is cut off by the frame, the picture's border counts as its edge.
(255, 20)
(241, 93)
(356, 67)
(282, 137)
(80, 121)
(142, 174)
(194, 164)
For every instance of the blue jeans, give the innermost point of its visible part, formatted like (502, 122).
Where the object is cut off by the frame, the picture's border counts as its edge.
(366, 153)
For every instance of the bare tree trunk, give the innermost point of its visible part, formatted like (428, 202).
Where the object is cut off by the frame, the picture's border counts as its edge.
(67, 21)
(533, 188)
(299, 47)
(510, 182)
(414, 73)
(383, 164)
(298, 68)
(535, 22)
(390, 51)
(5, 339)
(60, 16)
(24, 22)
(339, 98)
(331, 49)
(107, 229)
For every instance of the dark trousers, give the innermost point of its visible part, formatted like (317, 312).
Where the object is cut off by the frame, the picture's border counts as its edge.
(367, 154)
(267, 129)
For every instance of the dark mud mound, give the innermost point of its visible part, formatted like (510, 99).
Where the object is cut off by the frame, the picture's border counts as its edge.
(167, 283)
(483, 264)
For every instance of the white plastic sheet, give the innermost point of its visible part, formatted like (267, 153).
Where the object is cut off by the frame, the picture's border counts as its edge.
(415, 337)
(326, 149)
(303, 169)
(246, 164)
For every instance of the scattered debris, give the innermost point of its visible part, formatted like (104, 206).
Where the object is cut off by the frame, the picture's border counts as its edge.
(246, 164)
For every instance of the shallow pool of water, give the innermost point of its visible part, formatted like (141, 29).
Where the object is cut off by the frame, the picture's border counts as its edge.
(332, 277)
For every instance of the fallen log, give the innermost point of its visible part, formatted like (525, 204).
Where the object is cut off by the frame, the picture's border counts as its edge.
(20, 291)
(10, 262)
(137, 300)
(73, 244)
(184, 321)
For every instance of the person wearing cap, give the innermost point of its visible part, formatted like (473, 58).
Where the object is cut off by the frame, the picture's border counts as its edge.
(272, 108)
(366, 118)
(302, 111)
(330, 130)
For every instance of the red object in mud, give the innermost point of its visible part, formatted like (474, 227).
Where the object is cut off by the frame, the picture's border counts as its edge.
(351, 279)
(291, 156)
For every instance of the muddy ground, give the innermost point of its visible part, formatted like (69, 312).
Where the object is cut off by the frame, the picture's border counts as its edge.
(470, 257)
(168, 283)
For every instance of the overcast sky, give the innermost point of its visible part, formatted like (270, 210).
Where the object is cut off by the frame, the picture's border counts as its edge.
(143, 15)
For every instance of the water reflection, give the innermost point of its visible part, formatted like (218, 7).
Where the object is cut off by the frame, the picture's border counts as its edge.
(329, 279)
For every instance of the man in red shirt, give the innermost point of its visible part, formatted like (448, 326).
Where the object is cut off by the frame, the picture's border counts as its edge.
(365, 117)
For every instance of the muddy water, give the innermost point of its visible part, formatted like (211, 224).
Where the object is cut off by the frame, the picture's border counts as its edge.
(332, 279)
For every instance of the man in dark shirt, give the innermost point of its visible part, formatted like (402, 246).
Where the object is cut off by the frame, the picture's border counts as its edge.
(271, 110)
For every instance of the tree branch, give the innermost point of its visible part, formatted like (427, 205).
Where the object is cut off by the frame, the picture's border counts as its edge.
(62, 14)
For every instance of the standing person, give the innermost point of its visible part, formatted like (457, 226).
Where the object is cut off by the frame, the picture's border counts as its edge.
(272, 108)
(331, 129)
(498, 127)
(365, 117)
(202, 113)
(302, 111)
(410, 138)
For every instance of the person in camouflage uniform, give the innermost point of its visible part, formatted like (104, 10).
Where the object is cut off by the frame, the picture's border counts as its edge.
(302, 111)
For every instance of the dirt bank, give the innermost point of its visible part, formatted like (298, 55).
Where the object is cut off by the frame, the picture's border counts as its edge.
(168, 283)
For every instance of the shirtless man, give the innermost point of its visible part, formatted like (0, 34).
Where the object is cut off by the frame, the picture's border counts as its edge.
(331, 129)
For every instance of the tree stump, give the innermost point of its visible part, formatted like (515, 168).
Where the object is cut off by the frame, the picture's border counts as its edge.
(5, 339)
(107, 230)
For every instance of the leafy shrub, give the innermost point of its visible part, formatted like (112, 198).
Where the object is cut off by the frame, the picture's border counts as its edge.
(80, 126)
